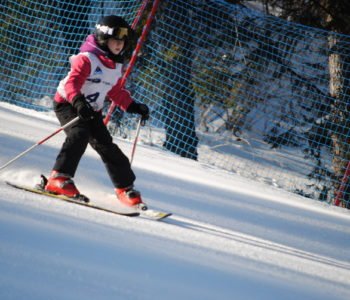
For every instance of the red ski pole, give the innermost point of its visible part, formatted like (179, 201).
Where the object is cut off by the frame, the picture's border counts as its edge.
(340, 193)
(39, 143)
(134, 55)
(139, 14)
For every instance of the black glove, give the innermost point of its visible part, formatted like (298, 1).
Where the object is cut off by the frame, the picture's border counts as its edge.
(84, 109)
(139, 108)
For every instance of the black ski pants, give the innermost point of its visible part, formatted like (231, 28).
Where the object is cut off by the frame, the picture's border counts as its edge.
(95, 133)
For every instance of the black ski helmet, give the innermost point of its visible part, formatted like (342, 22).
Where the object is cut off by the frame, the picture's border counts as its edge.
(115, 27)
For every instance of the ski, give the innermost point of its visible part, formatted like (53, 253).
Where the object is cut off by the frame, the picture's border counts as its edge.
(71, 200)
(84, 201)
(154, 214)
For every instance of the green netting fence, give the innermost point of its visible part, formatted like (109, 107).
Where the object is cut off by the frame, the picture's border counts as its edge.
(228, 86)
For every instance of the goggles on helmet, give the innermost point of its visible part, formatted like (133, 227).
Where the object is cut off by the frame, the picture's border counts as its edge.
(118, 33)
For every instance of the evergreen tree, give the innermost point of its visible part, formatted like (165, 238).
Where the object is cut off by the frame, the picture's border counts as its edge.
(332, 15)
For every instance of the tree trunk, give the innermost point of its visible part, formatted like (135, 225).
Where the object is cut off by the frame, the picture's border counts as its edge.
(179, 97)
(339, 83)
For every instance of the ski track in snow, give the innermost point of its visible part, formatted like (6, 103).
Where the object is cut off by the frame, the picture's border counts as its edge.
(252, 253)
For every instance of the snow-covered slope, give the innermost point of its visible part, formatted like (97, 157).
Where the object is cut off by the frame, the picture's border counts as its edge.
(229, 238)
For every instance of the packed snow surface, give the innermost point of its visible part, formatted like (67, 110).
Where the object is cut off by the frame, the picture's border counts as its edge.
(229, 237)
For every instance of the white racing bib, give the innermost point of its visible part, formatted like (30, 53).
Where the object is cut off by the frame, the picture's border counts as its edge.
(98, 84)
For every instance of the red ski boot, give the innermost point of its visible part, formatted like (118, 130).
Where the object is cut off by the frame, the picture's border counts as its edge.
(130, 197)
(61, 184)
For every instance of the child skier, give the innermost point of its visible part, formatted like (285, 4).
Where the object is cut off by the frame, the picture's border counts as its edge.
(93, 77)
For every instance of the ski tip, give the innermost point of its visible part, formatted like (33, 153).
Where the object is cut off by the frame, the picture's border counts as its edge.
(155, 215)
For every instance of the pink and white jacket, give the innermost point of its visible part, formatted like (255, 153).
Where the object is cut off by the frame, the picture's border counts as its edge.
(95, 76)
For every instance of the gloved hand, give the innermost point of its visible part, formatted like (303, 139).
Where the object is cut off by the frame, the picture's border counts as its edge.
(139, 108)
(84, 109)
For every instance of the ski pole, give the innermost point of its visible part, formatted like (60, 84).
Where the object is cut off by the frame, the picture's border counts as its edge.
(340, 193)
(40, 142)
(136, 139)
(135, 53)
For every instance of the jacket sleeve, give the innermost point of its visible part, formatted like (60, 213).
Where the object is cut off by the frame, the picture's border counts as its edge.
(79, 72)
(120, 96)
